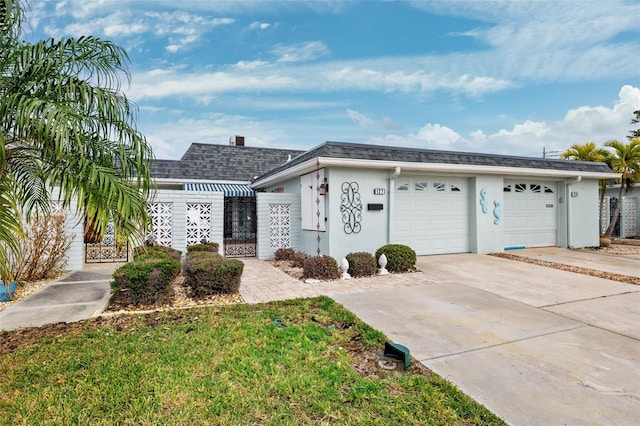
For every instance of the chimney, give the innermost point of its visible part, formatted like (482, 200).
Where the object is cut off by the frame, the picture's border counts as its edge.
(236, 140)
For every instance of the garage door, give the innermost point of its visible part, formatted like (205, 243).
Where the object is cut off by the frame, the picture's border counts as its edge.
(431, 214)
(530, 213)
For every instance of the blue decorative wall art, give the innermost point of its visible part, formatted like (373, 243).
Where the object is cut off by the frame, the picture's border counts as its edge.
(483, 200)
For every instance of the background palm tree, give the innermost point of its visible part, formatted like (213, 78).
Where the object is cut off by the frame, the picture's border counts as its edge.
(589, 151)
(65, 123)
(626, 161)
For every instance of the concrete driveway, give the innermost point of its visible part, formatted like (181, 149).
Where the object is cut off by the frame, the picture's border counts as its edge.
(535, 345)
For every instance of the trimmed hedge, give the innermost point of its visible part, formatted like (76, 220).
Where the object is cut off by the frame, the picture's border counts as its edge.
(361, 264)
(208, 273)
(321, 267)
(210, 247)
(155, 252)
(400, 258)
(146, 280)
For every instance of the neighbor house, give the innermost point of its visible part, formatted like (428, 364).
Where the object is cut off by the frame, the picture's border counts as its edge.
(339, 198)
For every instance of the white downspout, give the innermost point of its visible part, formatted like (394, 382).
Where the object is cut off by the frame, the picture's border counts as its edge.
(392, 187)
(567, 195)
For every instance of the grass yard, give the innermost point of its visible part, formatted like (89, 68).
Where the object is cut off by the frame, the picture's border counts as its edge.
(299, 362)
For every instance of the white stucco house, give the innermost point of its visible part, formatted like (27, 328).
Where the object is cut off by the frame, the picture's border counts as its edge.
(340, 197)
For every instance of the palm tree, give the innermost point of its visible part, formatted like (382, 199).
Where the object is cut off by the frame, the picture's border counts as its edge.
(626, 161)
(590, 152)
(65, 123)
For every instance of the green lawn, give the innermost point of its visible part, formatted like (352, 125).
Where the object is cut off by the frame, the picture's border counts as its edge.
(230, 365)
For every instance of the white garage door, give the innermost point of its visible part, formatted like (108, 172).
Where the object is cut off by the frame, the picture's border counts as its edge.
(530, 213)
(431, 214)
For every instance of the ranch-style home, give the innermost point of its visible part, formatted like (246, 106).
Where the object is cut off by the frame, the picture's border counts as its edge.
(339, 198)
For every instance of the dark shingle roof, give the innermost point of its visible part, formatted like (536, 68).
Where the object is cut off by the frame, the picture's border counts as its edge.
(414, 155)
(222, 162)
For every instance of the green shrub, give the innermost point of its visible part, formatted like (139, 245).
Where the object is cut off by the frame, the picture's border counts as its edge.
(211, 247)
(208, 273)
(284, 254)
(361, 264)
(321, 267)
(147, 280)
(155, 252)
(400, 258)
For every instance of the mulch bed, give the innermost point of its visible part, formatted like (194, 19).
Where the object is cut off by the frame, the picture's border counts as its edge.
(579, 270)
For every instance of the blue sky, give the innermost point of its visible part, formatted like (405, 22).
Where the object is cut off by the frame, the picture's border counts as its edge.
(505, 77)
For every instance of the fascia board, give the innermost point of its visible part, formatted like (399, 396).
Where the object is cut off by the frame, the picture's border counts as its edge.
(466, 169)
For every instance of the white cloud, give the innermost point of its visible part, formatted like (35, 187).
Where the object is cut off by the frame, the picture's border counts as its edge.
(579, 125)
(386, 123)
(302, 52)
(259, 25)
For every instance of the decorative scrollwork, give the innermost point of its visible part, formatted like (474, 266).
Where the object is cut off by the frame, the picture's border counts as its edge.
(483, 200)
(351, 207)
(497, 212)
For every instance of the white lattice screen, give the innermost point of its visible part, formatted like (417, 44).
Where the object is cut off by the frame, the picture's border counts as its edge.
(629, 217)
(198, 223)
(279, 226)
(161, 218)
(605, 213)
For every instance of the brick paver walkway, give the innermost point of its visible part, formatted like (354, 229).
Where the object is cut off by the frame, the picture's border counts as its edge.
(263, 282)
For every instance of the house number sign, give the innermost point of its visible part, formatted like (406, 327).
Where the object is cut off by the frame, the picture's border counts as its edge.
(379, 191)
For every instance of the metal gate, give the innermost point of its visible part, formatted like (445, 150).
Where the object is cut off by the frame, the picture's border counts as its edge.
(108, 250)
(240, 226)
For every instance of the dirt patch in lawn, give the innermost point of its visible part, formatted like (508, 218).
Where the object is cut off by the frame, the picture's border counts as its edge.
(367, 360)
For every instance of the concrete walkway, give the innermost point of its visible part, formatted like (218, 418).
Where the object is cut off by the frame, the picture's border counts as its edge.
(262, 282)
(535, 345)
(76, 296)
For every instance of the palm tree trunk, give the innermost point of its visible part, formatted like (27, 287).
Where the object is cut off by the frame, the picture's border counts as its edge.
(616, 213)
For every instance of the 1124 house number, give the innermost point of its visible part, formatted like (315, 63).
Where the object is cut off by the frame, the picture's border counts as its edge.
(378, 191)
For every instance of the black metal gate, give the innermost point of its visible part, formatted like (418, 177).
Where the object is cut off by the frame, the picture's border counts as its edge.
(109, 250)
(240, 226)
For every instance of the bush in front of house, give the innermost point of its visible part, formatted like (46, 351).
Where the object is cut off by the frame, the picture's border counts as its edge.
(298, 259)
(400, 258)
(284, 253)
(208, 273)
(155, 252)
(210, 247)
(145, 280)
(321, 267)
(361, 264)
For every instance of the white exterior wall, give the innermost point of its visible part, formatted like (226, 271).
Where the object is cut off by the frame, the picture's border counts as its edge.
(179, 200)
(264, 200)
(577, 216)
(374, 224)
(486, 228)
(582, 213)
(307, 241)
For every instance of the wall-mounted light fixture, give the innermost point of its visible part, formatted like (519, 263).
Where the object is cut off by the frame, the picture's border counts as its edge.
(323, 188)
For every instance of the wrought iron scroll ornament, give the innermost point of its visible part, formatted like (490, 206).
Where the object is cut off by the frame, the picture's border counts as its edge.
(351, 207)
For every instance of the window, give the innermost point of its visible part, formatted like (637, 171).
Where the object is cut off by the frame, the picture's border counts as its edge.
(521, 187)
(439, 186)
(421, 186)
(402, 186)
(536, 188)
(548, 190)
(507, 188)
(311, 202)
(455, 188)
